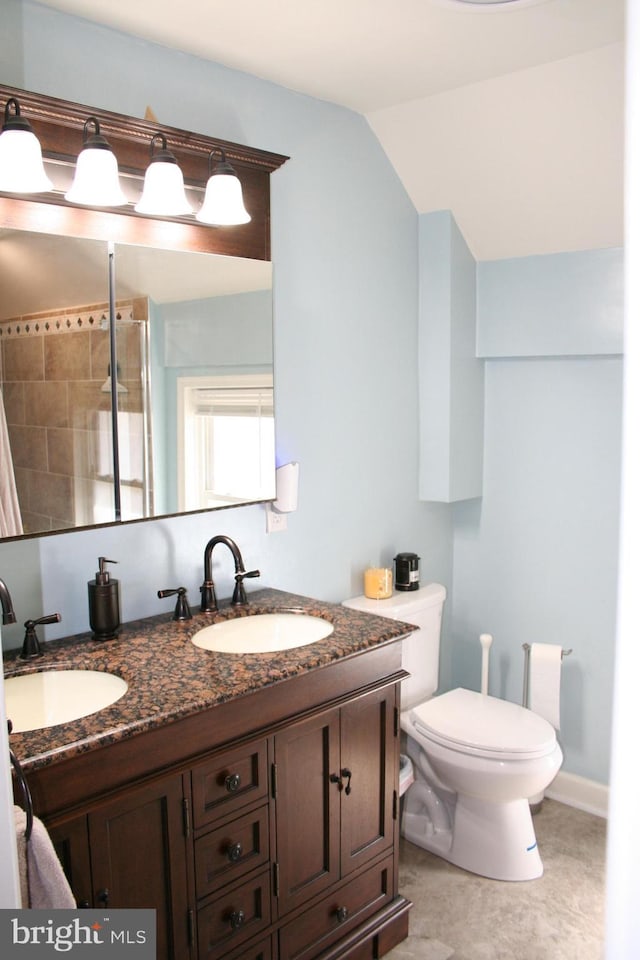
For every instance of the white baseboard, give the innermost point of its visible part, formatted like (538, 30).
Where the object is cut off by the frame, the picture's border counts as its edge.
(580, 793)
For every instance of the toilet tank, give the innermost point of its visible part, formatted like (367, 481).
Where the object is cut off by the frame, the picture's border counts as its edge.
(420, 650)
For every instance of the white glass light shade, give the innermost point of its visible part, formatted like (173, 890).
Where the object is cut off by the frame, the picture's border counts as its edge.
(163, 191)
(96, 182)
(21, 167)
(223, 202)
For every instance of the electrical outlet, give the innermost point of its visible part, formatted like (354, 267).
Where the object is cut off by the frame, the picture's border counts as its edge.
(275, 521)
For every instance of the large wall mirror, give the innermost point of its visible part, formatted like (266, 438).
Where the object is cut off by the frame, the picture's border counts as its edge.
(136, 367)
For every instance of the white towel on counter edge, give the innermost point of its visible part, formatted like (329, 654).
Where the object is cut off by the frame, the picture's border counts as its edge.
(43, 885)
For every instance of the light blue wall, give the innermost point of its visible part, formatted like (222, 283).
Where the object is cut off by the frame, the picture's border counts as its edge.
(345, 302)
(535, 560)
(10, 44)
(231, 331)
(554, 305)
(451, 378)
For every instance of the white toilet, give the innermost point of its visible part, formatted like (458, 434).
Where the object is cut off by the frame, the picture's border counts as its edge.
(477, 759)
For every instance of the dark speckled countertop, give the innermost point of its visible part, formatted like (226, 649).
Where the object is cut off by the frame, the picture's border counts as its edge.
(169, 678)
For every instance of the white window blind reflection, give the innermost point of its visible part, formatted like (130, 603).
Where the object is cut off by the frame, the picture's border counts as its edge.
(228, 450)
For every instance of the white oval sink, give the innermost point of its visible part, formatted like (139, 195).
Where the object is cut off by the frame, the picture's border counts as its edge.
(36, 700)
(263, 633)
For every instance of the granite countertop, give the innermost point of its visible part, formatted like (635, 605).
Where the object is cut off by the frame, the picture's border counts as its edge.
(169, 678)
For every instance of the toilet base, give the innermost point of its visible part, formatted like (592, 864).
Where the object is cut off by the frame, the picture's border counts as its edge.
(495, 840)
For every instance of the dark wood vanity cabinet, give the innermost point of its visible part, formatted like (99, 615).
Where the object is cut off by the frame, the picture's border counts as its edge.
(131, 851)
(335, 785)
(280, 846)
(336, 795)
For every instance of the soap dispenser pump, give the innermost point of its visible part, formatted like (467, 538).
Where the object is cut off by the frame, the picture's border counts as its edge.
(104, 603)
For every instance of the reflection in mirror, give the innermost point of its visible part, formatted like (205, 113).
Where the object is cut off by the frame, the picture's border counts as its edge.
(226, 443)
(54, 347)
(181, 319)
(209, 332)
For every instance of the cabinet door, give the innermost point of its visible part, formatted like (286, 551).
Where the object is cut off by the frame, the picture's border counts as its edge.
(71, 842)
(307, 756)
(138, 859)
(369, 771)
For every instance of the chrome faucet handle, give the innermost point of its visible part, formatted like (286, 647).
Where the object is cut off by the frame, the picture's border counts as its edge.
(182, 609)
(239, 594)
(31, 645)
(208, 602)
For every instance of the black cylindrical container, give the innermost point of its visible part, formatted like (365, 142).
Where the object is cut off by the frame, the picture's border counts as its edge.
(104, 604)
(407, 571)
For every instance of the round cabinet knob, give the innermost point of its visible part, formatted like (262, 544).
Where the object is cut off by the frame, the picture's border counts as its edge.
(103, 897)
(234, 852)
(236, 919)
(232, 782)
(342, 913)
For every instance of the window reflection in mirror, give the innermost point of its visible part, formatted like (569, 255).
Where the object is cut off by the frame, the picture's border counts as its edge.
(226, 447)
(178, 316)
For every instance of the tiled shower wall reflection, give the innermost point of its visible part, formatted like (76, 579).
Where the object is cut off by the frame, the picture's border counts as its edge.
(58, 408)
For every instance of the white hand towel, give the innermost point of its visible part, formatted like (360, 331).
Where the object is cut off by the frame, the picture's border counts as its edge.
(20, 819)
(545, 666)
(42, 881)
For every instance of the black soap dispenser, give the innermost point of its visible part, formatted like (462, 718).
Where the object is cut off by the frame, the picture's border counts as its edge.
(104, 603)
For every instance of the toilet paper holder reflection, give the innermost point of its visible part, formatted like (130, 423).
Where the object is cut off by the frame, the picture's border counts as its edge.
(525, 682)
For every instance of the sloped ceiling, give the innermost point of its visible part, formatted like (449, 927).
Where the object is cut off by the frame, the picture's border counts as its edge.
(511, 117)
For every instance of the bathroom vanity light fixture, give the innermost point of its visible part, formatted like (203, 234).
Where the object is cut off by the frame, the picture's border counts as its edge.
(96, 182)
(163, 189)
(110, 165)
(223, 202)
(21, 166)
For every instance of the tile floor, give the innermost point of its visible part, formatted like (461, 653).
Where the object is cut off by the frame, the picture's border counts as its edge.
(459, 916)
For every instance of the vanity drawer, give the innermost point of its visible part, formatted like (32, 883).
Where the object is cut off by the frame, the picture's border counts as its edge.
(229, 781)
(231, 851)
(261, 950)
(234, 916)
(343, 910)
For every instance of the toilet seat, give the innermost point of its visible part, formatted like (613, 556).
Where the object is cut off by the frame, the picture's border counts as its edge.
(484, 726)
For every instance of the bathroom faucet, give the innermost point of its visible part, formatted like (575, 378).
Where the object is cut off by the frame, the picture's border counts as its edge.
(31, 644)
(8, 615)
(209, 603)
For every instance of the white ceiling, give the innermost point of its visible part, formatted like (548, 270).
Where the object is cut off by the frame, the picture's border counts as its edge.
(511, 116)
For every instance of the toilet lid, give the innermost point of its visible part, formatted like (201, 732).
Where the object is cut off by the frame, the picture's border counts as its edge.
(471, 722)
